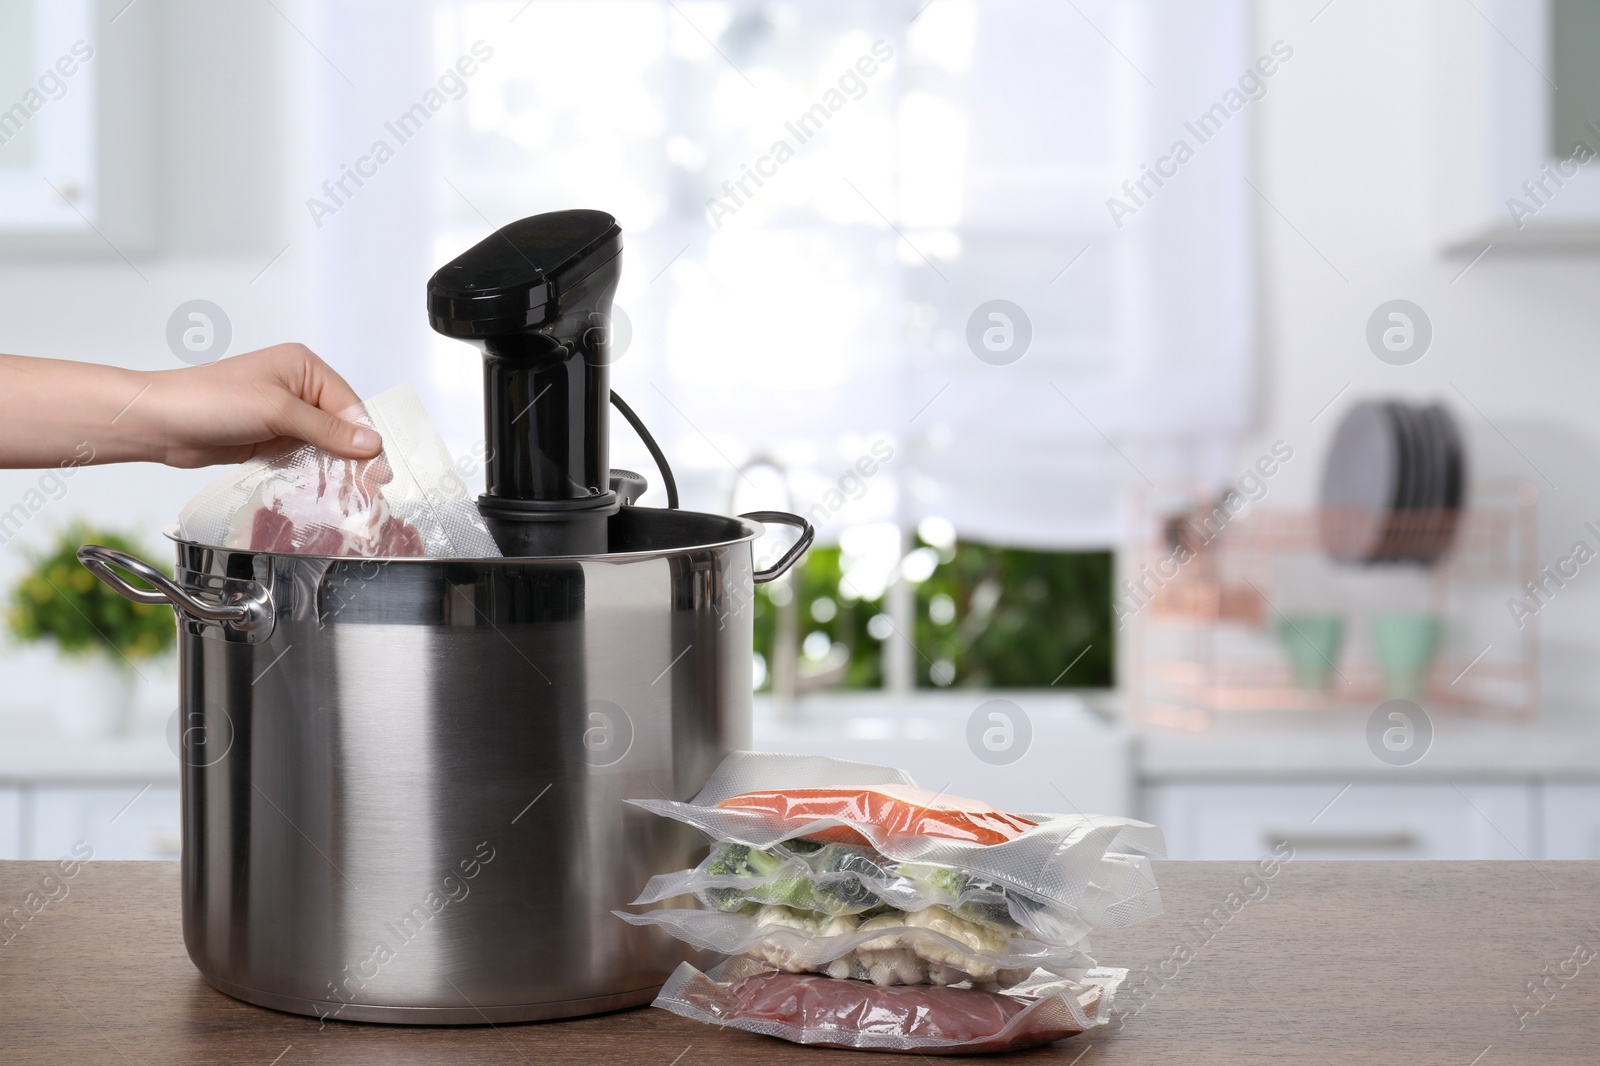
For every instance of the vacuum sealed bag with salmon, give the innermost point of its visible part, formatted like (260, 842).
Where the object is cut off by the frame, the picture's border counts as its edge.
(889, 809)
(409, 502)
(928, 1021)
(760, 799)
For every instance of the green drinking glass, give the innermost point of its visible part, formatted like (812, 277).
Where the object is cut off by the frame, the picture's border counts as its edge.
(1312, 643)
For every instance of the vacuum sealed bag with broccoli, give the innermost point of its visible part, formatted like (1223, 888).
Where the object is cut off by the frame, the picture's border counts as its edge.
(863, 911)
(853, 879)
(408, 502)
(849, 1014)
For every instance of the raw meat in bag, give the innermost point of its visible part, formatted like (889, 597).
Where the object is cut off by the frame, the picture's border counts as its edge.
(408, 502)
(822, 1011)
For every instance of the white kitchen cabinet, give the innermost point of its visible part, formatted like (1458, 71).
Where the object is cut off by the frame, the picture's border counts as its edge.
(1205, 820)
(10, 823)
(1507, 167)
(1572, 821)
(119, 821)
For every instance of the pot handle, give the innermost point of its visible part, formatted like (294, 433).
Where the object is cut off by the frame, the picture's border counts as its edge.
(245, 612)
(808, 534)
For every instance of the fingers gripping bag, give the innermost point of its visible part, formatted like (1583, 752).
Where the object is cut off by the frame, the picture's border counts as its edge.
(408, 502)
(760, 799)
(807, 1009)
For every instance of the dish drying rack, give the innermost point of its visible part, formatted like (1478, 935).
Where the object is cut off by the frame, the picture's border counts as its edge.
(1203, 642)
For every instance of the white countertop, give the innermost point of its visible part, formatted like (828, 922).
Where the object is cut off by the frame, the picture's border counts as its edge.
(1078, 746)
(63, 760)
(1295, 745)
(1264, 746)
(34, 750)
(1072, 758)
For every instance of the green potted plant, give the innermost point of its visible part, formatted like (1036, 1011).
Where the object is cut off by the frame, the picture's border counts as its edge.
(101, 637)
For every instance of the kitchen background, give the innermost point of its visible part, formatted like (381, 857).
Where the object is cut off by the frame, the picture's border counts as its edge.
(939, 275)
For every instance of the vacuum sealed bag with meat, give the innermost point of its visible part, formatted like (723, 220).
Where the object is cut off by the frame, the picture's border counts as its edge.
(761, 799)
(806, 1009)
(409, 502)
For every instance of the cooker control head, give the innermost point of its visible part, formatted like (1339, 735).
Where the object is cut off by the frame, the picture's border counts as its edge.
(535, 297)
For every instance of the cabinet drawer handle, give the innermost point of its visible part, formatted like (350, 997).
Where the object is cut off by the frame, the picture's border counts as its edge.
(1400, 841)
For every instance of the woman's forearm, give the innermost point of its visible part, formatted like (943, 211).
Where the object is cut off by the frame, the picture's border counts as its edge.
(54, 412)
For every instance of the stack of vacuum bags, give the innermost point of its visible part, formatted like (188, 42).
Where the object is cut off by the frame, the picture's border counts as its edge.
(861, 911)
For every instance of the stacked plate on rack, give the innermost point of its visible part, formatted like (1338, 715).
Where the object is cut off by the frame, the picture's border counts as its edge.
(1393, 485)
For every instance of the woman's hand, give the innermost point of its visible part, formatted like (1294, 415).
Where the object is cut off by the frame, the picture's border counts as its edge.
(235, 409)
(59, 413)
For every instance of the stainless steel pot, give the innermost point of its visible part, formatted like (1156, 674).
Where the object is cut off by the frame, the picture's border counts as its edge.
(403, 780)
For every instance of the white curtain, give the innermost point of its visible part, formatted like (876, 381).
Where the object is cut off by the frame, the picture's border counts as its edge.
(809, 305)
(1139, 366)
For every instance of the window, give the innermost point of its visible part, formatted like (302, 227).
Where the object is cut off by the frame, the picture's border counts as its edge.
(984, 617)
(820, 202)
(875, 273)
(47, 115)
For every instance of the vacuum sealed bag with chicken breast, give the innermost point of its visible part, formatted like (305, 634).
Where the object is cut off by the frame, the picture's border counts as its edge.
(806, 1009)
(930, 946)
(408, 502)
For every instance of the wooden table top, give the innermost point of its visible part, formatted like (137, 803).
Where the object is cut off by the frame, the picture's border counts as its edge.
(1330, 963)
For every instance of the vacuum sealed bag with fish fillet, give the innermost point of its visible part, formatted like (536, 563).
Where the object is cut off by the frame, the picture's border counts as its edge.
(408, 502)
(890, 809)
(806, 1009)
(764, 798)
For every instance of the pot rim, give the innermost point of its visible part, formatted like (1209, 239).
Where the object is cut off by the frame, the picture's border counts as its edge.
(752, 531)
